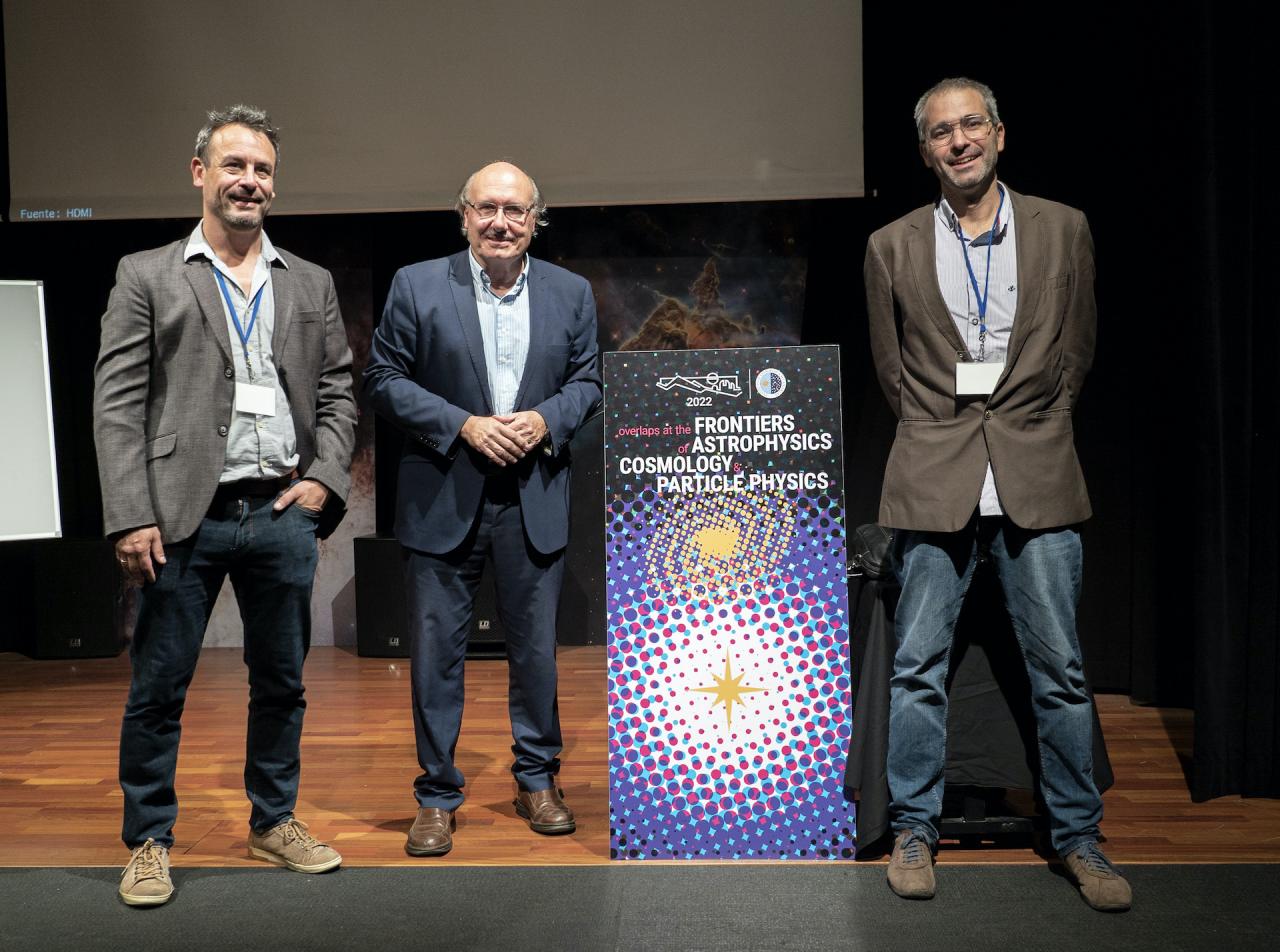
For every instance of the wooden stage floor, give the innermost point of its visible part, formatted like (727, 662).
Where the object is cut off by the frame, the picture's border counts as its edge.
(60, 803)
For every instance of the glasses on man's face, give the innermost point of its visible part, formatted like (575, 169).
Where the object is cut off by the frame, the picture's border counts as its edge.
(973, 127)
(487, 211)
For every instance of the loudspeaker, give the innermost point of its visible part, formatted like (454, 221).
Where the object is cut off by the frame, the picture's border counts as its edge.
(79, 595)
(382, 618)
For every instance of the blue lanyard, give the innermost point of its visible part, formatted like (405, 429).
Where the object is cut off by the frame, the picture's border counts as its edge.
(984, 293)
(244, 332)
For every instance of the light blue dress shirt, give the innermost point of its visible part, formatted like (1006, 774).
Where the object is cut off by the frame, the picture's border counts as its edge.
(258, 446)
(504, 328)
(957, 291)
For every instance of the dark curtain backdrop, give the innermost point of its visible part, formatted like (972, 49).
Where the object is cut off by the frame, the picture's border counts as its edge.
(1234, 468)
(1157, 126)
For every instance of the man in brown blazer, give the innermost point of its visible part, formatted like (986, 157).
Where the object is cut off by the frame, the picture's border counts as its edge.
(224, 423)
(982, 320)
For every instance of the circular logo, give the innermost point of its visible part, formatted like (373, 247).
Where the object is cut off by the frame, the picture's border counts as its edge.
(770, 383)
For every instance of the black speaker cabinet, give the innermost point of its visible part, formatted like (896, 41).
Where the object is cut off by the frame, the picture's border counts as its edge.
(382, 623)
(80, 604)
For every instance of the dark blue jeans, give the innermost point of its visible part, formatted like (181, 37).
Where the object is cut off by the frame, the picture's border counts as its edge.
(1039, 572)
(441, 593)
(271, 560)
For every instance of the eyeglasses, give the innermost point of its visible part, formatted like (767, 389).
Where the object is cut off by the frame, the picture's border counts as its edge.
(487, 211)
(973, 127)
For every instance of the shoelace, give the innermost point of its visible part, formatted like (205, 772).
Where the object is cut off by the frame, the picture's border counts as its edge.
(914, 849)
(147, 864)
(1094, 861)
(295, 831)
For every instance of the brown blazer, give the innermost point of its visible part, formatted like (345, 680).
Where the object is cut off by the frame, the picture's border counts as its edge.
(939, 458)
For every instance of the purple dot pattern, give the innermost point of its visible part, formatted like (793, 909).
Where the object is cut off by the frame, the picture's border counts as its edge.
(743, 591)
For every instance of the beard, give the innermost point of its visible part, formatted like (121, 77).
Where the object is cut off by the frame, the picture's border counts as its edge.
(242, 219)
(972, 176)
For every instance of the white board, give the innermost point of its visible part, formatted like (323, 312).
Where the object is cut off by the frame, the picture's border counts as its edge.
(29, 497)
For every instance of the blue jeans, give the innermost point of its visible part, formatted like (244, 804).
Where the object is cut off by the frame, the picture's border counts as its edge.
(271, 559)
(1039, 572)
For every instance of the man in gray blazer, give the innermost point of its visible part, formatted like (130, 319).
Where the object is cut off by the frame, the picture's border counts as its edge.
(224, 422)
(486, 360)
(982, 320)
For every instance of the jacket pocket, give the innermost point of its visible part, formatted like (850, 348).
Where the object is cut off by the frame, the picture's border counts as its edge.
(1052, 411)
(162, 445)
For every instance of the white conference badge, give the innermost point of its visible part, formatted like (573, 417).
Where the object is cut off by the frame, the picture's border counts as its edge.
(251, 398)
(977, 379)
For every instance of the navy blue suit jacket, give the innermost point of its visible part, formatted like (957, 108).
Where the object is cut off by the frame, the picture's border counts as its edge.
(427, 374)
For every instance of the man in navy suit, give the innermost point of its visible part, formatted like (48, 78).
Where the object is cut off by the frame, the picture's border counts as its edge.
(487, 361)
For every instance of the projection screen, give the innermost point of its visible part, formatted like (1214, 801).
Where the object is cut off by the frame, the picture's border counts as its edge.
(386, 106)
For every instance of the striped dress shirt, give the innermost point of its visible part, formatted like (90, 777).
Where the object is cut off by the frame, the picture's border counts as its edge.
(504, 328)
(950, 248)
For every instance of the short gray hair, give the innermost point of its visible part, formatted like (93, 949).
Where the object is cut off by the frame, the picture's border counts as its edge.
(954, 84)
(238, 115)
(539, 206)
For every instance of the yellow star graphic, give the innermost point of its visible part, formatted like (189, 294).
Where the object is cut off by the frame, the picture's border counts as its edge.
(728, 690)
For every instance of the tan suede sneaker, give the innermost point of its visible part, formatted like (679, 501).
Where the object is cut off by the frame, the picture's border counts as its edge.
(1101, 884)
(911, 866)
(289, 844)
(145, 881)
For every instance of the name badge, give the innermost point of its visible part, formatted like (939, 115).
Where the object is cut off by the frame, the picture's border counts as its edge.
(251, 398)
(973, 379)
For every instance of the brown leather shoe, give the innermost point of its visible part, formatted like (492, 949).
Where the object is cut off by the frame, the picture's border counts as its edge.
(544, 811)
(431, 833)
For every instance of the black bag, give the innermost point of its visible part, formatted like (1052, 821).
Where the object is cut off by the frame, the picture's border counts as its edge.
(871, 551)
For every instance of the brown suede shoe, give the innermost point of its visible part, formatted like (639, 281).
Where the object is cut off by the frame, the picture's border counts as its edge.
(1101, 884)
(431, 833)
(545, 811)
(911, 866)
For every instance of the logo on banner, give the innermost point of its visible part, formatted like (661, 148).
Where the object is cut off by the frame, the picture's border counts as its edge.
(712, 384)
(771, 383)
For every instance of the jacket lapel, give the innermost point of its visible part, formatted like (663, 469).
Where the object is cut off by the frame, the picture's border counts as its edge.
(199, 274)
(1031, 261)
(922, 253)
(537, 324)
(464, 300)
(285, 301)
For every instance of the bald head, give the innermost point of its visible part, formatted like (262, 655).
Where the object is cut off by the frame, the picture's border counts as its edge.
(506, 171)
(501, 209)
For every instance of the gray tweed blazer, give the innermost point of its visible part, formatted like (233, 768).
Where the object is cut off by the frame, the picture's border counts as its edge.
(164, 388)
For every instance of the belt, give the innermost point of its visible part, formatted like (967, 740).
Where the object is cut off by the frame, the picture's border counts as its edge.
(251, 488)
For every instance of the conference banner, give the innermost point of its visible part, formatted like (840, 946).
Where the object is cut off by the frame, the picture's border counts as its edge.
(728, 641)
